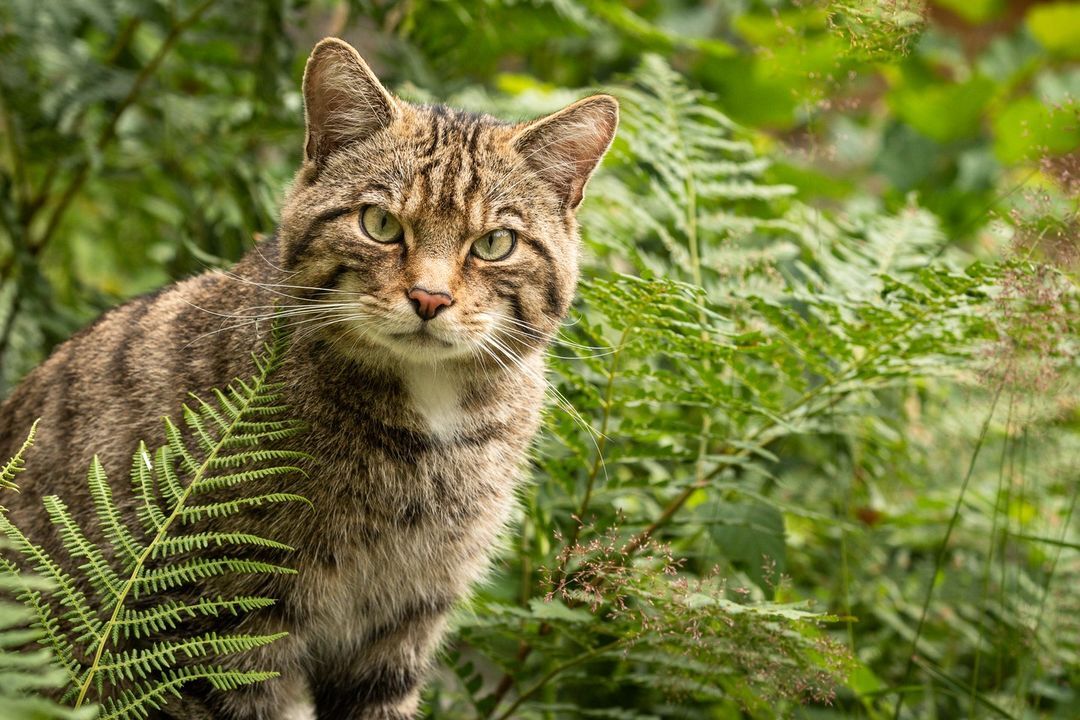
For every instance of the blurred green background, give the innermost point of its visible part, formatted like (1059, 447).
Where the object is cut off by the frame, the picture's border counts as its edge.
(847, 404)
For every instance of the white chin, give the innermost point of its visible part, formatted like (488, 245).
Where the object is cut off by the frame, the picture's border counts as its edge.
(420, 347)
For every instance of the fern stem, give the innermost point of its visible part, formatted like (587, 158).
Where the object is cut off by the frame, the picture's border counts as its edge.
(679, 500)
(601, 442)
(265, 368)
(943, 547)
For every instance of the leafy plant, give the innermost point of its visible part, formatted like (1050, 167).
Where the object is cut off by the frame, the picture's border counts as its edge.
(120, 642)
(24, 676)
(687, 391)
(801, 385)
(130, 93)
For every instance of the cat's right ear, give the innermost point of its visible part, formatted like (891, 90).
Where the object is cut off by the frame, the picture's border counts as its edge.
(343, 100)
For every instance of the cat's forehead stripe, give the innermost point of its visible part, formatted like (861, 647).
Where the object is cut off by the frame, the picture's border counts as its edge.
(448, 127)
(451, 161)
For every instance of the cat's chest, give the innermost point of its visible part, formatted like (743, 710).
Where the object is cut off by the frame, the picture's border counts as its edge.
(414, 486)
(419, 462)
(422, 545)
(436, 402)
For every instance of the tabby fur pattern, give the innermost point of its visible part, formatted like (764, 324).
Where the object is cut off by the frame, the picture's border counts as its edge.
(420, 428)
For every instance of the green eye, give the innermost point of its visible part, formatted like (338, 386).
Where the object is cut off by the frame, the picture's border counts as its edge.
(496, 245)
(380, 225)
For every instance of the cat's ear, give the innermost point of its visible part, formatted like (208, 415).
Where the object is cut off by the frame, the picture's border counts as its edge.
(565, 147)
(343, 100)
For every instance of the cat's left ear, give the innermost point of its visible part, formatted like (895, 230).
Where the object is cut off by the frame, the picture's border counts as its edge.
(343, 100)
(565, 147)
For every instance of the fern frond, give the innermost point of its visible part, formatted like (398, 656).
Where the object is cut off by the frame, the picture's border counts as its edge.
(152, 582)
(136, 702)
(198, 513)
(78, 609)
(26, 676)
(219, 449)
(101, 575)
(46, 624)
(183, 544)
(168, 615)
(116, 532)
(17, 463)
(150, 514)
(132, 665)
(231, 479)
(226, 461)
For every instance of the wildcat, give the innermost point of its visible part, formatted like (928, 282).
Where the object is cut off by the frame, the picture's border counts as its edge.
(427, 256)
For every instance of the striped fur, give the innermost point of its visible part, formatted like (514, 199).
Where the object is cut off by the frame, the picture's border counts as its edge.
(420, 433)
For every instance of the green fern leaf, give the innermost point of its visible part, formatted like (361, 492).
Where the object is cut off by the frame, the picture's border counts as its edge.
(142, 697)
(219, 449)
(152, 582)
(25, 676)
(15, 465)
(184, 544)
(168, 615)
(115, 531)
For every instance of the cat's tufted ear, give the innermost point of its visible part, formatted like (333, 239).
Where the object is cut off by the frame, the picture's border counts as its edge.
(343, 100)
(565, 147)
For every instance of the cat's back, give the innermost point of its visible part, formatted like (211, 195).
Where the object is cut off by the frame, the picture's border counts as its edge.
(108, 386)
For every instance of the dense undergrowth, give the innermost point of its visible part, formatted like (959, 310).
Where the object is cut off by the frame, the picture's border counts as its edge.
(812, 442)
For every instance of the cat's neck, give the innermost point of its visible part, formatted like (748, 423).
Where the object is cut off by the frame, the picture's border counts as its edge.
(439, 399)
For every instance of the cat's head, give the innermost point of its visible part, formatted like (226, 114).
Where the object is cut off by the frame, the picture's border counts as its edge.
(433, 233)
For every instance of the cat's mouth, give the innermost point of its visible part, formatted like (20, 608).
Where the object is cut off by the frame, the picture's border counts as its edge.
(421, 338)
(422, 344)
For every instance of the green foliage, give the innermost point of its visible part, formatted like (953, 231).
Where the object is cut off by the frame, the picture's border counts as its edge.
(105, 102)
(826, 337)
(118, 645)
(686, 388)
(25, 675)
(17, 464)
(1057, 27)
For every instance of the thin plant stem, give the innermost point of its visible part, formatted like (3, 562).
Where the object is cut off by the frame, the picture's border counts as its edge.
(988, 567)
(943, 547)
(108, 133)
(555, 672)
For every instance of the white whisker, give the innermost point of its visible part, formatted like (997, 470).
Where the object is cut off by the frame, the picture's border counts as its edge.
(560, 399)
(315, 317)
(270, 287)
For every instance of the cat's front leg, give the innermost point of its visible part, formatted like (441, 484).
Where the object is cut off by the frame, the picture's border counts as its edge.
(372, 690)
(382, 681)
(369, 698)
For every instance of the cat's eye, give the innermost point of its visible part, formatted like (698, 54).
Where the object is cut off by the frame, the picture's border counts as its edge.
(380, 225)
(496, 245)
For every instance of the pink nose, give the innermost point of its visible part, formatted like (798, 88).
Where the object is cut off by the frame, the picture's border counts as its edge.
(428, 304)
